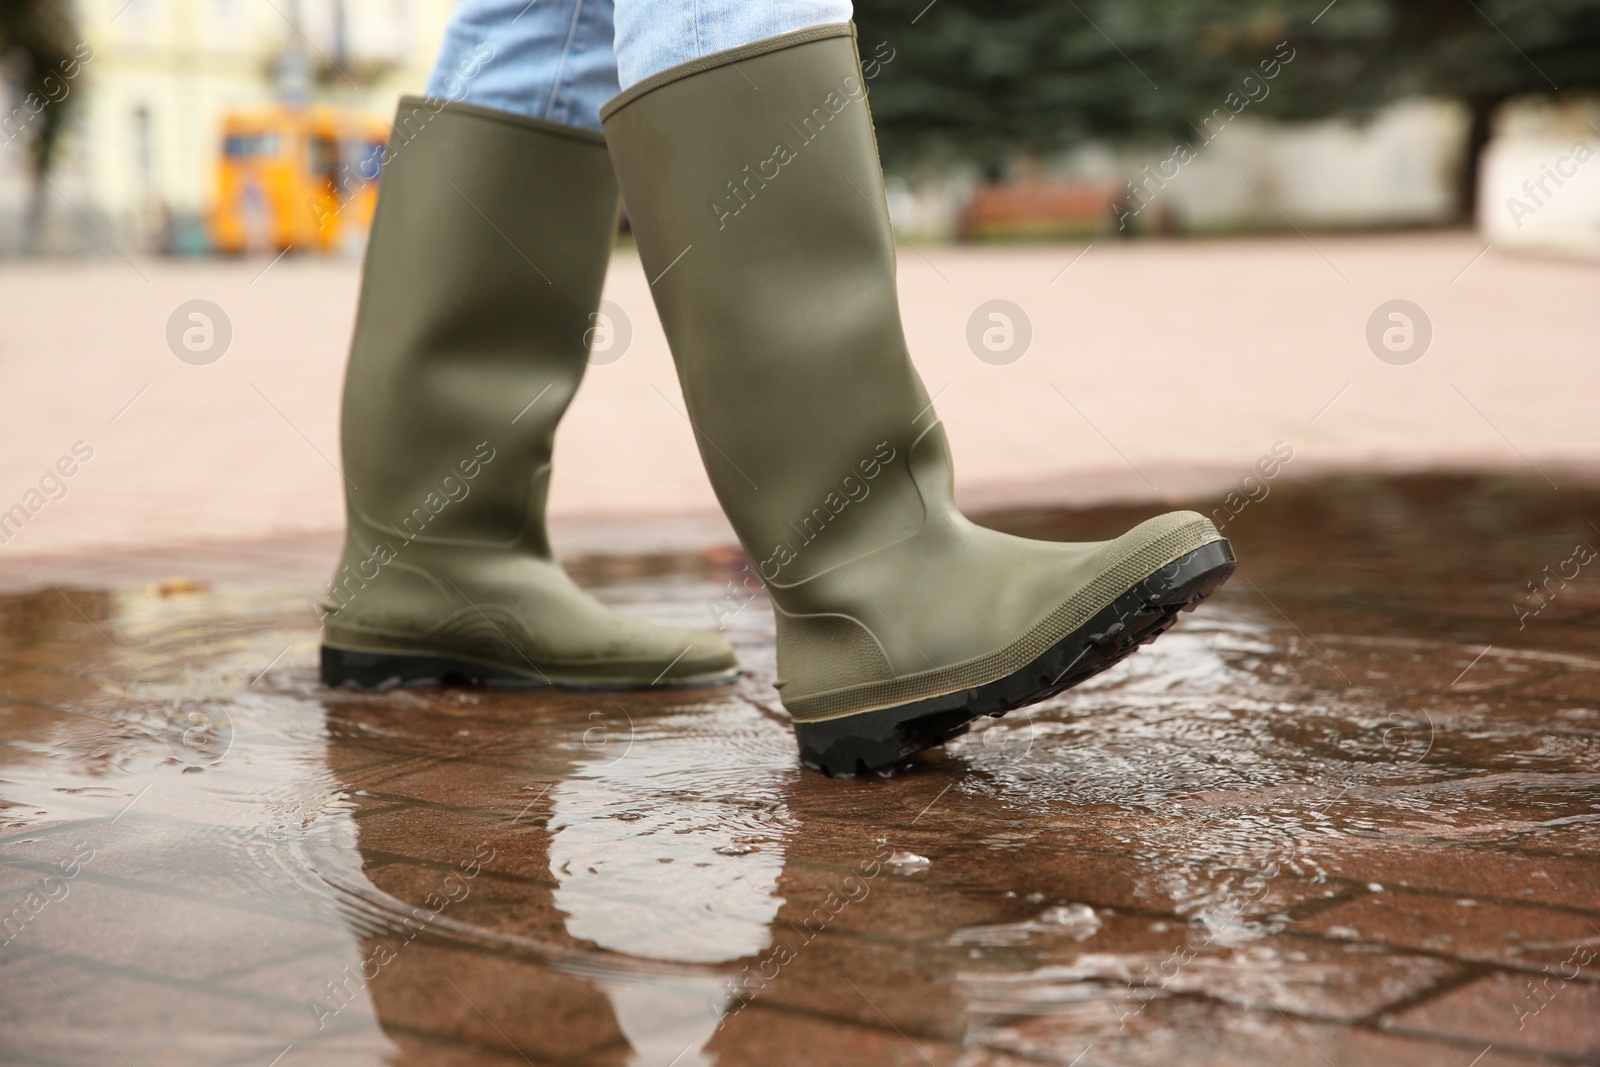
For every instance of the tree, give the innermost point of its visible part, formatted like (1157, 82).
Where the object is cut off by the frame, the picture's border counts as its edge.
(1479, 52)
(1489, 51)
(39, 48)
(985, 79)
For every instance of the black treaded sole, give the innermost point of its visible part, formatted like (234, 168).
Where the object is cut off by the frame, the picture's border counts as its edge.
(855, 744)
(388, 670)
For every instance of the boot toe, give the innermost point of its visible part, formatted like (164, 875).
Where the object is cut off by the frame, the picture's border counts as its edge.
(700, 657)
(1122, 594)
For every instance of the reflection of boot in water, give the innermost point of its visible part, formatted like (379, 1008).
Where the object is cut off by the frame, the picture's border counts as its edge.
(668, 934)
(624, 885)
(454, 901)
(899, 621)
(665, 861)
(478, 297)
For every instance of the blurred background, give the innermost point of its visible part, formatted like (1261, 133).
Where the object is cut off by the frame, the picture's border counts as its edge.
(195, 127)
(1258, 185)
(192, 127)
(1324, 271)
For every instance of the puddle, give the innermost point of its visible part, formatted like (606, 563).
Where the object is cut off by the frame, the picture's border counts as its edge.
(1349, 813)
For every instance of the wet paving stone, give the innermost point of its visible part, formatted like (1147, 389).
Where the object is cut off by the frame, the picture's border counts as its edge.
(1545, 1013)
(1349, 813)
(1467, 927)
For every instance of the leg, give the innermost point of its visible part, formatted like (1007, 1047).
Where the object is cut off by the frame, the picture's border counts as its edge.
(653, 35)
(542, 59)
(753, 184)
(484, 269)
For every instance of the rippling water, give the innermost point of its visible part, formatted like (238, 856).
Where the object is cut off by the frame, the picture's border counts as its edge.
(1346, 813)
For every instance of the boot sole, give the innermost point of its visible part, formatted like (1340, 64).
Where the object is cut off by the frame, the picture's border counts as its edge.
(855, 744)
(376, 671)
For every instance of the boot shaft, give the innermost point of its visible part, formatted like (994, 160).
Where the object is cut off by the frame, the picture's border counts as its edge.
(486, 260)
(759, 209)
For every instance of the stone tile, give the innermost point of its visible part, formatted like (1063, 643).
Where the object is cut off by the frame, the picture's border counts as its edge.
(1133, 881)
(1202, 1034)
(1570, 841)
(892, 907)
(763, 1034)
(1463, 927)
(412, 1049)
(493, 1001)
(291, 975)
(148, 1020)
(813, 975)
(1470, 870)
(167, 934)
(1124, 967)
(447, 838)
(1515, 1011)
(1563, 687)
(512, 906)
(487, 782)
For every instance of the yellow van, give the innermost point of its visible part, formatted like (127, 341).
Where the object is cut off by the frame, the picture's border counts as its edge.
(295, 177)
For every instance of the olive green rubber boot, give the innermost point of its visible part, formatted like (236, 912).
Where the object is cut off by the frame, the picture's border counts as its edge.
(482, 277)
(752, 182)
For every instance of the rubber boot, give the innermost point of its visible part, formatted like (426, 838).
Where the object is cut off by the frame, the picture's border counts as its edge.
(484, 269)
(753, 186)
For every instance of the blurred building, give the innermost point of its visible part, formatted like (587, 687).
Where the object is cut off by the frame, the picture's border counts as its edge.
(141, 159)
(1537, 186)
(1541, 178)
(158, 78)
(1395, 169)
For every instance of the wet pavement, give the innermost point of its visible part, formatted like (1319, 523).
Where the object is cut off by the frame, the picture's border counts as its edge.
(1345, 814)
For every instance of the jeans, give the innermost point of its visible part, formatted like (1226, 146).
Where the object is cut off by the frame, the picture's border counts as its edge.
(560, 60)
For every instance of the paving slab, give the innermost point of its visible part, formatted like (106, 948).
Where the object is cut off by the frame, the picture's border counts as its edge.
(1155, 369)
(1344, 815)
